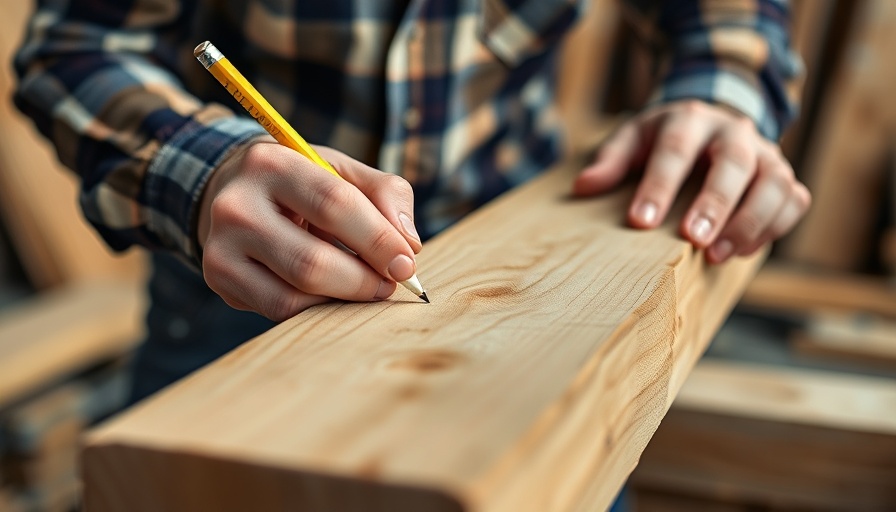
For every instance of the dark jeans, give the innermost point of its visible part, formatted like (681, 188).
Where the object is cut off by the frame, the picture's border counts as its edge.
(188, 326)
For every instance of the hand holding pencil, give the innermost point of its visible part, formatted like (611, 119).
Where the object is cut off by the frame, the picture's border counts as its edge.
(275, 216)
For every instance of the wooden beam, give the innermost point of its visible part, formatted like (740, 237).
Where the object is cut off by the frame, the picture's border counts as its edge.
(810, 28)
(859, 338)
(556, 340)
(777, 438)
(63, 331)
(848, 152)
(787, 288)
(38, 197)
(581, 80)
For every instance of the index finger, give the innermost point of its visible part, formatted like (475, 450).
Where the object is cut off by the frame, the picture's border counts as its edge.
(339, 208)
(681, 137)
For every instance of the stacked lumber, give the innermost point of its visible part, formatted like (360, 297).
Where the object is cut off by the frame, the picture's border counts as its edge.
(747, 437)
(846, 167)
(42, 437)
(87, 311)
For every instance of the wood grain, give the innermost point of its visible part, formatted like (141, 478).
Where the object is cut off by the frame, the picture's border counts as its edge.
(555, 342)
(775, 438)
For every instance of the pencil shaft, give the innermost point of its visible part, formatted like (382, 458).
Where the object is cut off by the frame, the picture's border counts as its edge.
(267, 116)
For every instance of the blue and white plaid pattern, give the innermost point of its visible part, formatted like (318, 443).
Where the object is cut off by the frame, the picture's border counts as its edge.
(454, 95)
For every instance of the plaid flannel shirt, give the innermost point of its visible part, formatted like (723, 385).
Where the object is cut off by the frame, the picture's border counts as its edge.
(454, 95)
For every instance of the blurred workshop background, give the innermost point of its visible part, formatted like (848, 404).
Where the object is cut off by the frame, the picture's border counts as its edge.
(793, 408)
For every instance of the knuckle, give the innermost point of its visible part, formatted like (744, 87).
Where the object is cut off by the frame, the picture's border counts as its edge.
(659, 187)
(747, 227)
(217, 272)
(675, 142)
(260, 156)
(309, 267)
(777, 165)
(281, 306)
(745, 126)
(802, 196)
(382, 241)
(693, 107)
(399, 184)
(331, 198)
(775, 179)
(715, 203)
(211, 263)
(230, 210)
(234, 303)
(741, 154)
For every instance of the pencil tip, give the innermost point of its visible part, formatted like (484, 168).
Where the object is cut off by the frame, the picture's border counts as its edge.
(424, 297)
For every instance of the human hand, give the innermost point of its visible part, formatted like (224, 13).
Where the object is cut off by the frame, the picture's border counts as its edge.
(750, 195)
(270, 219)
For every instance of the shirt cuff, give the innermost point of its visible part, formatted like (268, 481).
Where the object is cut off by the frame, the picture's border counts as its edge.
(177, 176)
(721, 87)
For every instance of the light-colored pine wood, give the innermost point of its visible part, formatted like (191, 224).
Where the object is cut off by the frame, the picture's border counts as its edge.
(38, 197)
(66, 330)
(855, 338)
(777, 439)
(787, 288)
(584, 66)
(793, 395)
(847, 152)
(555, 343)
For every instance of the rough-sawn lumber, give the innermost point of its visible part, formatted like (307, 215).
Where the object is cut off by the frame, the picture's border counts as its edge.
(556, 341)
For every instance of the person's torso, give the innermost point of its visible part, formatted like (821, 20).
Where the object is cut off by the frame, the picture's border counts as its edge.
(454, 95)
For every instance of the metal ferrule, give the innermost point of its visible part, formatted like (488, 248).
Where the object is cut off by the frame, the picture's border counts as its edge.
(207, 54)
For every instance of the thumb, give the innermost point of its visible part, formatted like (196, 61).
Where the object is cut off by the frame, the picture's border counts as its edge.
(392, 195)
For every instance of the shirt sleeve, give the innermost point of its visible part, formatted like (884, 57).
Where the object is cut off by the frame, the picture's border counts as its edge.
(96, 78)
(736, 54)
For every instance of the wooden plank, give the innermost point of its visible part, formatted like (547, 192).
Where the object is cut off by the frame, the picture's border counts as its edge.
(810, 29)
(777, 439)
(858, 338)
(66, 330)
(38, 196)
(583, 70)
(556, 340)
(849, 149)
(792, 289)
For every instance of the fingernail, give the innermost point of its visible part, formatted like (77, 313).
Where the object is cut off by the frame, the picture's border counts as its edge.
(408, 225)
(384, 290)
(722, 249)
(700, 229)
(646, 212)
(401, 268)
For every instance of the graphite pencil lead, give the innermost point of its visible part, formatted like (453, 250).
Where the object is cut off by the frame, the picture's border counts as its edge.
(424, 297)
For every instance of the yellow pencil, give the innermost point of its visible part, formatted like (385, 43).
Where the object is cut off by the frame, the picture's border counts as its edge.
(271, 120)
